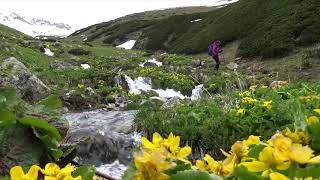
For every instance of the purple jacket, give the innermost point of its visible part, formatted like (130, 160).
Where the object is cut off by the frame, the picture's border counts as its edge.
(216, 49)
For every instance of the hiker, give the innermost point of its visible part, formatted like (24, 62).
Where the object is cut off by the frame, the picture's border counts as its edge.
(214, 51)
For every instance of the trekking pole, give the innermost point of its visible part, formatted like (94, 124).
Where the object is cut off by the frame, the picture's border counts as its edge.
(98, 173)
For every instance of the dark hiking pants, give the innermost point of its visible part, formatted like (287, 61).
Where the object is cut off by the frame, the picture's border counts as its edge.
(216, 58)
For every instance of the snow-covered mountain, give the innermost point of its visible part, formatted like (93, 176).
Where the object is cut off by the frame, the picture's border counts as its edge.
(33, 26)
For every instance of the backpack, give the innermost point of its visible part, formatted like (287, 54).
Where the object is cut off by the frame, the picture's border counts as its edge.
(210, 48)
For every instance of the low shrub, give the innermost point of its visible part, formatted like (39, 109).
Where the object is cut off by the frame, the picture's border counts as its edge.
(78, 52)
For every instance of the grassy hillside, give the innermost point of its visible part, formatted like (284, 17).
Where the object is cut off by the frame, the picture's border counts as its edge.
(265, 28)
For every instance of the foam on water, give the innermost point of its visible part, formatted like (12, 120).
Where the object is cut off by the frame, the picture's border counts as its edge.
(153, 60)
(115, 169)
(142, 84)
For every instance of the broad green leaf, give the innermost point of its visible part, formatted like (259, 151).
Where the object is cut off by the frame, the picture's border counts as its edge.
(255, 150)
(194, 175)
(311, 171)
(51, 144)
(298, 115)
(41, 124)
(181, 166)
(314, 130)
(7, 117)
(52, 102)
(18, 145)
(86, 172)
(242, 172)
(130, 172)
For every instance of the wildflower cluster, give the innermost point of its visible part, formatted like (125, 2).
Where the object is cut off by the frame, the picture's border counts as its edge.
(159, 155)
(286, 155)
(50, 172)
(248, 101)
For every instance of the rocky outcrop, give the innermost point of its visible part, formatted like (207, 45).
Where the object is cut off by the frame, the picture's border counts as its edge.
(60, 65)
(28, 86)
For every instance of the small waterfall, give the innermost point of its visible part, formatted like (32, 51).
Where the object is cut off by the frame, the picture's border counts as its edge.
(153, 60)
(142, 84)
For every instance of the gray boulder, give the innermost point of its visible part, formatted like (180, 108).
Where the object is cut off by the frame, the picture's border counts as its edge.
(60, 65)
(28, 86)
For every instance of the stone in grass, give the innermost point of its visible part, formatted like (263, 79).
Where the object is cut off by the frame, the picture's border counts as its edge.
(16, 75)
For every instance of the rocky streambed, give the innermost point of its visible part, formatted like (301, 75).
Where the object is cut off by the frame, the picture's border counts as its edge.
(103, 138)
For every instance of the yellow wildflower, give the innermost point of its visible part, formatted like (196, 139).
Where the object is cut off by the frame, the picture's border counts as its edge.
(317, 111)
(16, 173)
(240, 112)
(312, 120)
(265, 163)
(298, 136)
(240, 149)
(248, 100)
(253, 87)
(221, 168)
(157, 142)
(252, 140)
(309, 98)
(300, 154)
(53, 172)
(278, 176)
(267, 104)
(151, 166)
(81, 86)
(175, 152)
(264, 87)
(244, 94)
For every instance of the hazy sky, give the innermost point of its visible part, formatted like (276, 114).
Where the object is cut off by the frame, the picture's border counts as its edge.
(81, 13)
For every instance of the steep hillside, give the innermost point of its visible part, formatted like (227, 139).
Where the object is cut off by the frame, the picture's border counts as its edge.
(265, 28)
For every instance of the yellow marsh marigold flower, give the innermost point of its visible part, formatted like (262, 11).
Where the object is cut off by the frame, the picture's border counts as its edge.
(244, 94)
(286, 151)
(267, 104)
(298, 136)
(157, 142)
(252, 140)
(312, 120)
(278, 176)
(240, 112)
(265, 163)
(240, 149)
(53, 172)
(317, 111)
(221, 168)
(16, 173)
(309, 98)
(151, 166)
(175, 152)
(253, 87)
(248, 100)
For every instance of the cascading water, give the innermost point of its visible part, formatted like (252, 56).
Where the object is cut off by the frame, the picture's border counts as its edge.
(103, 138)
(142, 84)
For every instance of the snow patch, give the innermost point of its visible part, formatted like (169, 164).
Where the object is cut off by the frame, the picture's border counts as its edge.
(127, 45)
(196, 20)
(153, 60)
(85, 66)
(48, 52)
